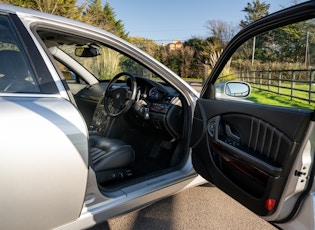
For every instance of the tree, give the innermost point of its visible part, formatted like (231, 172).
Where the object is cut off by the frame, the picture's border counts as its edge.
(196, 43)
(295, 41)
(212, 47)
(65, 8)
(222, 30)
(221, 33)
(255, 11)
(147, 45)
(104, 18)
(113, 25)
(171, 58)
(93, 14)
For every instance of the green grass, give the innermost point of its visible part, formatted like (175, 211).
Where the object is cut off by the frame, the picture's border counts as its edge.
(273, 98)
(270, 98)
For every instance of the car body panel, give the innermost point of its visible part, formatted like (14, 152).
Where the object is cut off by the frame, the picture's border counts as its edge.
(135, 197)
(57, 154)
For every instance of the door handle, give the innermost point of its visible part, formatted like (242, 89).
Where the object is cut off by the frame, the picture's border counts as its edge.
(230, 134)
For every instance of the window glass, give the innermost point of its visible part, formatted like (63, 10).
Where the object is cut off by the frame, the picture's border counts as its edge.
(68, 75)
(15, 72)
(103, 62)
(278, 65)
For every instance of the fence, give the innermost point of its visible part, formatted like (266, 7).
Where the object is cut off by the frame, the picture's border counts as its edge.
(298, 84)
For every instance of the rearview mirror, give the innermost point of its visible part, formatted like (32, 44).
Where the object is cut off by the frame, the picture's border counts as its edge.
(87, 51)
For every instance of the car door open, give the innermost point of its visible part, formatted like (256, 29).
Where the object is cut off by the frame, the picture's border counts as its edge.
(260, 152)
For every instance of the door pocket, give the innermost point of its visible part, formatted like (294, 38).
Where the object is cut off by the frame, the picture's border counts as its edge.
(249, 151)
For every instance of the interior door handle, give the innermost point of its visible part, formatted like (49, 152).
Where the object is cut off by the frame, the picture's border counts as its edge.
(213, 127)
(230, 134)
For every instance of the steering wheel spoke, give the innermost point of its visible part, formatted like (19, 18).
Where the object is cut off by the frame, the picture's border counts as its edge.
(119, 97)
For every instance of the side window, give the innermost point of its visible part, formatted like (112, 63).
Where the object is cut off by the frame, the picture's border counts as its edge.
(278, 65)
(15, 72)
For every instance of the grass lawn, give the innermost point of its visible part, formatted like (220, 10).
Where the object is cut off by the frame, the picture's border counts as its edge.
(270, 98)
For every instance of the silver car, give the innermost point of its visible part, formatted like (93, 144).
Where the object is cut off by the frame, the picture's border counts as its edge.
(92, 128)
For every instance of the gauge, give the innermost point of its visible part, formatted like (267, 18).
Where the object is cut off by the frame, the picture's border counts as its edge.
(154, 93)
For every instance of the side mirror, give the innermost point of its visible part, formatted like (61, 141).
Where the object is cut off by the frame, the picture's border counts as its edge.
(87, 51)
(232, 89)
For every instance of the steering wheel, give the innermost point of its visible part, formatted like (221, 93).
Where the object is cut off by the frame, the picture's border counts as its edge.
(119, 98)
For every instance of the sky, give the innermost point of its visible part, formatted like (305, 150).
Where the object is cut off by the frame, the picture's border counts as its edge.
(168, 20)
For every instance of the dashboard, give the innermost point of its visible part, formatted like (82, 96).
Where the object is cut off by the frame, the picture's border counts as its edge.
(157, 106)
(157, 97)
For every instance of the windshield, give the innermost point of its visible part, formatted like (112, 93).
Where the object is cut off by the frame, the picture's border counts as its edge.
(103, 62)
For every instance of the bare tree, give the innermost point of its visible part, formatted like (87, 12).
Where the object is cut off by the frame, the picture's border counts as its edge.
(222, 30)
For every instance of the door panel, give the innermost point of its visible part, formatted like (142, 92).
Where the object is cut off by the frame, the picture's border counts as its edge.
(44, 162)
(250, 149)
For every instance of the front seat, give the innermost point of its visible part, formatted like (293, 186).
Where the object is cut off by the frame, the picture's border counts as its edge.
(110, 158)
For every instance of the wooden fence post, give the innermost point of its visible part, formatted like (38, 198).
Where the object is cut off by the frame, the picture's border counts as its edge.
(292, 84)
(254, 76)
(279, 80)
(269, 79)
(260, 79)
(310, 91)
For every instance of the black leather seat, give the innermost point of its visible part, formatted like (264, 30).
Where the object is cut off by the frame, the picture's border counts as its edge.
(110, 158)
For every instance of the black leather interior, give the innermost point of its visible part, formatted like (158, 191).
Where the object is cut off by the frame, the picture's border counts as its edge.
(251, 148)
(109, 156)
